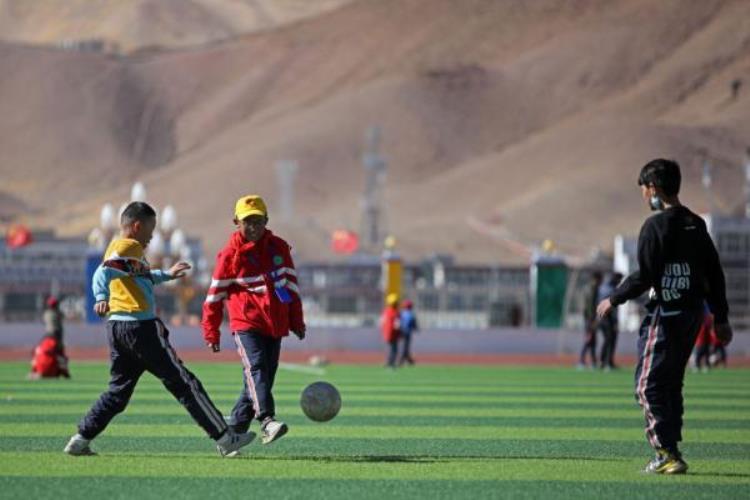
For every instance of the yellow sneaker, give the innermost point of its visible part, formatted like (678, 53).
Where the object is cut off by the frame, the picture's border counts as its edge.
(666, 462)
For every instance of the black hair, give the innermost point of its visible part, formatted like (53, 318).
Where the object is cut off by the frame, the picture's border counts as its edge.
(136, 211)
(661, 173)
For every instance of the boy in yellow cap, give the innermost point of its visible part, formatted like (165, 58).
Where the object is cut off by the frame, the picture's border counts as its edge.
(390, 327)
(255, 276)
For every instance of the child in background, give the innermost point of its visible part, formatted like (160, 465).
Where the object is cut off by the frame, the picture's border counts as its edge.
(390, 327)
(49, 360)
(702, 349)
(408, 325)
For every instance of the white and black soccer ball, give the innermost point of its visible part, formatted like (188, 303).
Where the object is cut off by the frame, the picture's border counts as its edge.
(320, 401)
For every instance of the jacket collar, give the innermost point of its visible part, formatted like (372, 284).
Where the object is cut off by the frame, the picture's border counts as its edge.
(239, 244)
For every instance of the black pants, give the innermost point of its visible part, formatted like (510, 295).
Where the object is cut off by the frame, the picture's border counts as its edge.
(719, 353)
(608, 327)
(589, 346)
(665, 342)
(702, 356)
(138, 346)
(392, 353)
(260, 360)
(406, 349)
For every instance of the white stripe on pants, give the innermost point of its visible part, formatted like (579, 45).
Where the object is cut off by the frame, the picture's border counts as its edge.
(211, 413)
(248, 373)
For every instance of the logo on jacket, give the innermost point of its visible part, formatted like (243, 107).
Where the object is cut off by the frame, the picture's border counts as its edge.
(676, 278)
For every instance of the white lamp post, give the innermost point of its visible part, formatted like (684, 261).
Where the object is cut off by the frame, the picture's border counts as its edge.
(155, 249)
(168, 220)
(138, 192)
(107, 217)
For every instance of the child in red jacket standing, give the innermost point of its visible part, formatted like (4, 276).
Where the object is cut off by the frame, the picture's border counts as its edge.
(390, 327)
(255, 276)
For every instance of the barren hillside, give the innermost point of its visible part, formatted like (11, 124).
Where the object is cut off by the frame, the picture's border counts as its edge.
(503, 121)
(132, 25)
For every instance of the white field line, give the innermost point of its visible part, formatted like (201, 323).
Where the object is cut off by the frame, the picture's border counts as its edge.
(293, 367)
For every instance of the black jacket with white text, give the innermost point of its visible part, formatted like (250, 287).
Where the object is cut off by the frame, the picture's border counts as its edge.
(678, 260)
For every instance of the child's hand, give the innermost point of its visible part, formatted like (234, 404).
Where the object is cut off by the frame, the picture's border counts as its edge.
(179, 269)
(101, 308)
(724, 333)
(603, 308)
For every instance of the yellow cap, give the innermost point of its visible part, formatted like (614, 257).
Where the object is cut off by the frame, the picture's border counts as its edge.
(250, 205)
(391, 299)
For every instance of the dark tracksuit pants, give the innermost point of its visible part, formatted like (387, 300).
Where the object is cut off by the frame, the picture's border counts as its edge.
(589, 346)
(665, 342)
(260, 360)
(608, 327)
(138, 346)
(702, 356)
(392, 353)
(406, 349)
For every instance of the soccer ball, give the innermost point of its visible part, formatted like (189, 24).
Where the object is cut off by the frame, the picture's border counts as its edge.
(320, 401)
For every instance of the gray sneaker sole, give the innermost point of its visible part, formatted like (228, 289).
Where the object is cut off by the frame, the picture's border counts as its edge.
(87, 452)
(236, 453)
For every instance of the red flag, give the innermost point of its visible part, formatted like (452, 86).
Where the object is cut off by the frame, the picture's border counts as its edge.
(18, 236)
(344, 241)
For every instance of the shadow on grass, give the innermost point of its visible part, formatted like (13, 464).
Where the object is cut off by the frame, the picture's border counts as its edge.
(720, 474)
(414, 458)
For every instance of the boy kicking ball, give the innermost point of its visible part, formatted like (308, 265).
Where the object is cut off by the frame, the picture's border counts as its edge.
(138, 341)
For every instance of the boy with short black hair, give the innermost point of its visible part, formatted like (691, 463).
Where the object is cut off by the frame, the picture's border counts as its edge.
(678, 261)
(138, 341)
(255, 276)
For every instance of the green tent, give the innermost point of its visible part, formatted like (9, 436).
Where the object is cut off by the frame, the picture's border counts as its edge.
(549, 283)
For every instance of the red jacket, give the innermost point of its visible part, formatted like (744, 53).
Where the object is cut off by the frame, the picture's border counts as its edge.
(49, 359)
(246, 277)
(389, 324)
(706, 332)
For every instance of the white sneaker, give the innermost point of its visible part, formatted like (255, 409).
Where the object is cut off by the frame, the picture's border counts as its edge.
(78, 446)
(273, 430)
(230, 443)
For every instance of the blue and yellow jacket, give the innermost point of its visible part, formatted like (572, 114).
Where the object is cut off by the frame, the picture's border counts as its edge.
(126, 280)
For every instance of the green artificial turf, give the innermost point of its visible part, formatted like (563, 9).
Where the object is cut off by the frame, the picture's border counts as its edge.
(419, 432)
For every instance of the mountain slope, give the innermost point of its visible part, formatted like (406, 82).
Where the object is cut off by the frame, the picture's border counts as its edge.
(503, 122)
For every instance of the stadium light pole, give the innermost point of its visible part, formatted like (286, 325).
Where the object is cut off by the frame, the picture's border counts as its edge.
(286, 171)
(373, 209)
